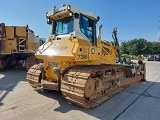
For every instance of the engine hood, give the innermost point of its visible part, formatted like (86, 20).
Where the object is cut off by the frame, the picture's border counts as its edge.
(56, 51)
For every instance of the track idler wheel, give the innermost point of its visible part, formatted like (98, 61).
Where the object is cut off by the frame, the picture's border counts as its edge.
(89, 88)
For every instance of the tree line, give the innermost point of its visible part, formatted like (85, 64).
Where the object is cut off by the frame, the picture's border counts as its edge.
(140, 47)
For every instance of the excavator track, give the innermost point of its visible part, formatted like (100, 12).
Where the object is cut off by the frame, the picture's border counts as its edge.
(2, 64)
(34, 75)
(90, 86)
(5, 63)
(30, 61)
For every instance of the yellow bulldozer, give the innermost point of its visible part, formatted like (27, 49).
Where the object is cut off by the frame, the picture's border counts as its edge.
(17, 45)
(78, 63)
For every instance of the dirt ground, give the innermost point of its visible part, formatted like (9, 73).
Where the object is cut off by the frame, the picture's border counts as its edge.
(18, 100)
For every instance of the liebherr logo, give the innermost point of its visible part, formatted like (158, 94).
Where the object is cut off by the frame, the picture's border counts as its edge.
(59, 48)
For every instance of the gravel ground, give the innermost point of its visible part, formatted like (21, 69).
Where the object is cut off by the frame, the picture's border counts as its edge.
(18, 100)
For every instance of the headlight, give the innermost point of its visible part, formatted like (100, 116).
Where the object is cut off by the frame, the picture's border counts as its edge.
(70, 14)
(49, 21)
(68, 7)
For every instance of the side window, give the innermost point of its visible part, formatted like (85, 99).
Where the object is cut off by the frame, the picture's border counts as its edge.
(86, 27)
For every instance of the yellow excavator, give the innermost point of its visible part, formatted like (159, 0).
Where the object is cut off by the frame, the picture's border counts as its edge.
(17, 46)
(78, 63)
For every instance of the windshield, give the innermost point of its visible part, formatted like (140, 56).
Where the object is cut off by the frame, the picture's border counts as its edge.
(64, 26)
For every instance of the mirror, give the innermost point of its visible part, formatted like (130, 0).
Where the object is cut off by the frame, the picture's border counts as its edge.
(49, 21)
(76, 15)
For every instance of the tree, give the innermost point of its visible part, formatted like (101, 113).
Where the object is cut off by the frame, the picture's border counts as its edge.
(124, 48)
(140, 46)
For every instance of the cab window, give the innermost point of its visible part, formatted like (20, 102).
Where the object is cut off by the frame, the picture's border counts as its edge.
(86, 26)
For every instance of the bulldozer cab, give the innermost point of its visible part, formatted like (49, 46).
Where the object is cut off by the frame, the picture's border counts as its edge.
(70, 20)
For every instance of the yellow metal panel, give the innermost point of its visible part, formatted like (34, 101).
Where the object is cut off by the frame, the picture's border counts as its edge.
(9, 45)
(94, 53)
(21, 31)
(9, 32)
(32, 45)
(81, 53)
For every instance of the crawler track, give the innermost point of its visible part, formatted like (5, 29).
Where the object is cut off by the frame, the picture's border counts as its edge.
(34, 75)
(2, 64)
(90, 86)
